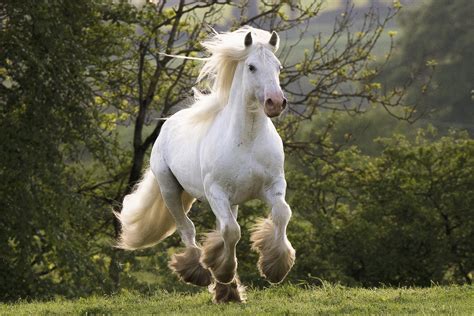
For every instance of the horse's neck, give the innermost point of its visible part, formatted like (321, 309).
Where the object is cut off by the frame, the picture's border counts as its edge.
(244, 121)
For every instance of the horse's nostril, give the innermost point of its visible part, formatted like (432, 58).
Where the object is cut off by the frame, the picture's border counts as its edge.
(269, 102)
(283, 105)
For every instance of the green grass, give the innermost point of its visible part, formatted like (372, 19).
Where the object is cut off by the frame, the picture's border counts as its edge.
(282, 300)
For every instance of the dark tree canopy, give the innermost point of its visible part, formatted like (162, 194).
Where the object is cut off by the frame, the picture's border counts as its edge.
(44, 120)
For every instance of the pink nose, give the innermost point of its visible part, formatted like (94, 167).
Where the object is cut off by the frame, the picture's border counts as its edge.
(274, 105)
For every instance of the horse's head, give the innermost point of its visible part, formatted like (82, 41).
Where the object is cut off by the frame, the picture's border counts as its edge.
(261, 75)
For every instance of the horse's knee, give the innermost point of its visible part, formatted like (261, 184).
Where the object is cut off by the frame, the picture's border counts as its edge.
(281, 213)
(231, 232)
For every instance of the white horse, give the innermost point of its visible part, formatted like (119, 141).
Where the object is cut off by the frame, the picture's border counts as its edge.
(224, 150)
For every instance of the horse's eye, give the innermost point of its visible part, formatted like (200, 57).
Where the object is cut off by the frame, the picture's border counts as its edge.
(252, 68)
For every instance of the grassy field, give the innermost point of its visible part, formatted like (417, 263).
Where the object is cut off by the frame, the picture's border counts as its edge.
(282, 300)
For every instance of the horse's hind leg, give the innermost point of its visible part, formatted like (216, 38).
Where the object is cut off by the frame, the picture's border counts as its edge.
(187, 264)
(277, 256)
(219, 246)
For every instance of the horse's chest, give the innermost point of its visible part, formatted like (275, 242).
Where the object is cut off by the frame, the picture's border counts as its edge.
(248, 171)
(244, 174)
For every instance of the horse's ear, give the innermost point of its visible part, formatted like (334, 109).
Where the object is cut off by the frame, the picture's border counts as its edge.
(274, 39)
(248, 39)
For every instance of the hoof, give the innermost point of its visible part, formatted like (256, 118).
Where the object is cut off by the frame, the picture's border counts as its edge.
(189, 269)
(277, 256)
(213, 258)
(225, 293)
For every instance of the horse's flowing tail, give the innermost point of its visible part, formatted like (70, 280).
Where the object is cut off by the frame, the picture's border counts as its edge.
(145, 219)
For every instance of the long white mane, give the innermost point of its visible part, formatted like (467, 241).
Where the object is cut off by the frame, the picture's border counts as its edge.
(226, 51)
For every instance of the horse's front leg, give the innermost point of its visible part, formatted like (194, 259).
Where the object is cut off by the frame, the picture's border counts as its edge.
(269, 239)
(219, 246)
(231, 292)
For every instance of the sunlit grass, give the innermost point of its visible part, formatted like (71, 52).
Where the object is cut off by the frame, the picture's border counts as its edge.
(287, 299)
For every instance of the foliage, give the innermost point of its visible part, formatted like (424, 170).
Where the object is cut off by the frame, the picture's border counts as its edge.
(329, 299)
(47, 240)
(399, 218)
(437, 35)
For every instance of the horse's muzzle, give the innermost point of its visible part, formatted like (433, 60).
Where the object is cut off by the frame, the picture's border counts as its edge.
(273, 107)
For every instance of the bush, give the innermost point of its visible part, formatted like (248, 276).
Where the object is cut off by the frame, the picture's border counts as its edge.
(402, 218)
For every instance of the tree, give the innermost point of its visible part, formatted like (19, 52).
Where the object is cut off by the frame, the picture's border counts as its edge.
(438, 34)
(399, 218)
(46, 121)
